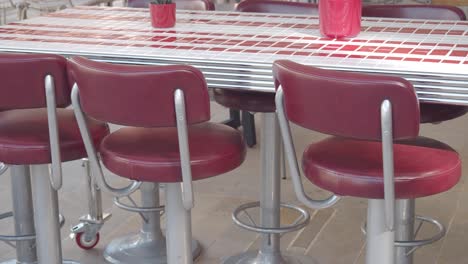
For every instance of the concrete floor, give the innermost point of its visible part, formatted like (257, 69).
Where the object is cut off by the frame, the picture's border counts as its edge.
(333, 235)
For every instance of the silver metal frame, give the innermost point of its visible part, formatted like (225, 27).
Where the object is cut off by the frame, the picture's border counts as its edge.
(92, 156)
(292, 160)
(91, 223)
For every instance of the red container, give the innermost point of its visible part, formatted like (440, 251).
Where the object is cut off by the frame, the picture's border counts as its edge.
(340, 18)
(163, 16)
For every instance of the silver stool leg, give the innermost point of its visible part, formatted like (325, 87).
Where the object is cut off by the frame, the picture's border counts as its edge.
(23, 214)
(269, 252)
(149, 245)
(46, 216)
(380, 246)
(178, 227)
(404, 229)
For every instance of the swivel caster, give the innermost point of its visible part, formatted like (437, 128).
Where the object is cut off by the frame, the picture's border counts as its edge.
(85, 242)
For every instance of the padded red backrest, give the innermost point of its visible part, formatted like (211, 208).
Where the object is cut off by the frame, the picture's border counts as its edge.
(139, 95)
(436, 12)
(273, 6)
(344, 103)
(180, 4)
(22, 80)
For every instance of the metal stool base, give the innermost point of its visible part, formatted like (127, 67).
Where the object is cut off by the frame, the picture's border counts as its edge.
(141, 250)
(254, 257)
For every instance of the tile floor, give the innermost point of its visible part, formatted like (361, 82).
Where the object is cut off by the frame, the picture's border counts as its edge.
(332, 237)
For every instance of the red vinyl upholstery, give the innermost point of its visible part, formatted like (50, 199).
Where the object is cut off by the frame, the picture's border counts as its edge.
(276, 6)
(258, 101)
(430, 113)
(436, 12)
(332, 102)
(180, 4)
(347, 167)
(24, 136)
(24, 132)
(144, 154)
(23, 80)
(149, 151)
(98, 81)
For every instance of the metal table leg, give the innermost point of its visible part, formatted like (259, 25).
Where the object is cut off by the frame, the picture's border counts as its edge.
(23, 214)
(269, 252)
(404, 229)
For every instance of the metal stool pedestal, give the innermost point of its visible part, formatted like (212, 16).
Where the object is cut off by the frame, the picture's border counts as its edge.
(23, 216)
(149, 245)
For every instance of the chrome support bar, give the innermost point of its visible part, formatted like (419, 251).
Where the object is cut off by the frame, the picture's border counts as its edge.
(92, 156)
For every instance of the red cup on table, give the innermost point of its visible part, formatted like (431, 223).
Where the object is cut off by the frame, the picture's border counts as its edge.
(163, 15)
(340, 18)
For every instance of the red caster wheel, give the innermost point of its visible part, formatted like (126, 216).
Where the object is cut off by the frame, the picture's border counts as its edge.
(86, 245)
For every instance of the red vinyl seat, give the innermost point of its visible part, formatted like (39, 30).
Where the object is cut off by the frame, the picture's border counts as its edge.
(153, 154)
(430, 113)
(346, 167)
(24, 136)
(180, 4)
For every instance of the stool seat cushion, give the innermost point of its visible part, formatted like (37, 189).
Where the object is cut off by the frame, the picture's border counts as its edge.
(246, 101)
(152, 154)
(348, 167)
(24, 136)
(435, 113)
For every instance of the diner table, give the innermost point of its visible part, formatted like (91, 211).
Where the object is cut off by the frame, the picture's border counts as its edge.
(236, 51)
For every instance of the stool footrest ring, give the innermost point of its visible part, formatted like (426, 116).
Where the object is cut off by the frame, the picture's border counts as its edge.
(137, 209)
(421, 242)
(13, 237)
(301, 221)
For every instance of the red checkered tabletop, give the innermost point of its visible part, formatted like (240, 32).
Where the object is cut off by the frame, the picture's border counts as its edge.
(236, 50)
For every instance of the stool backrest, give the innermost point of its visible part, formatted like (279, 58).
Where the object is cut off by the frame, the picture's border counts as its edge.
(436, 12)
(141, 96)
(274, 6)
(200, 5)
(22, 80)
(346, 104)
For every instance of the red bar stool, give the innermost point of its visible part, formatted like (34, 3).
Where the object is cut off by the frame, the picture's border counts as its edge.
(167, 108)
(33, 134)
(375, 151)
(430, 112)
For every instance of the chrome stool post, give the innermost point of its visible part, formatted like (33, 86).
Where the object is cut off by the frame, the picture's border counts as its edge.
(23, 216)
(48, 241)
(404, 229)
(380, 242)
(86, 233)
(269, 252)
(149, 245)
